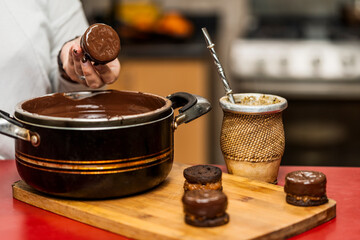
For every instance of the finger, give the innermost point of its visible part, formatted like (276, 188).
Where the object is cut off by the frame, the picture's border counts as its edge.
(105, 73)
(69, 67)
(92, 78)
(109, 72)
(77, 54)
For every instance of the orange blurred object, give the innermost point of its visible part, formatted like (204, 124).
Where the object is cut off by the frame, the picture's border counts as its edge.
(174, 24)
(139, 15)
(141, 19)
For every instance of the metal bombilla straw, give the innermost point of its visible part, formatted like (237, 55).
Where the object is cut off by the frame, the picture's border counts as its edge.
(210, 46)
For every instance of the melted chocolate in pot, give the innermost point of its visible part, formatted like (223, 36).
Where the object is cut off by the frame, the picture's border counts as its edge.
(107, 104)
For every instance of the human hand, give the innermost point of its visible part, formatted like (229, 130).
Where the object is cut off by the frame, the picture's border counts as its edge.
(81, 70)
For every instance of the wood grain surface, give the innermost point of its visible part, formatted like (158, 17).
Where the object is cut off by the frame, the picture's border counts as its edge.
(257, 211)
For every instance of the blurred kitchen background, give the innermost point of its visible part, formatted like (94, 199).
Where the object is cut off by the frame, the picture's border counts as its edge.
(306, 51)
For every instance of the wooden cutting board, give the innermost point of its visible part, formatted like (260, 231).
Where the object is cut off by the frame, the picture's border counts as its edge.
(257, 211)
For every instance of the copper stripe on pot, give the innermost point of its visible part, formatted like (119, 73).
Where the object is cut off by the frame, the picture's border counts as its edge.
(124, 166)
(83, 162)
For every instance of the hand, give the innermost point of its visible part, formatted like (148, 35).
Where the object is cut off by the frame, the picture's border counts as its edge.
(84, 72)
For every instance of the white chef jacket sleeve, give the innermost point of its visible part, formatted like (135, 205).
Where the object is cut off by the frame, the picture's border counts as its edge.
(66, 21)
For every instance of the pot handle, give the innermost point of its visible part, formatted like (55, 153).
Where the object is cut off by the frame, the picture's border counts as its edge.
(15, 129)
(193, 106)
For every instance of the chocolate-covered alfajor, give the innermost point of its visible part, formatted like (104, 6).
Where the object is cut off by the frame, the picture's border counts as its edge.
(100, 43)
(205, 208)
(305, 188)
(202, 177)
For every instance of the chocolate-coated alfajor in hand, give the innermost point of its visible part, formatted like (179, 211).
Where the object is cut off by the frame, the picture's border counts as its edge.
(100, 43)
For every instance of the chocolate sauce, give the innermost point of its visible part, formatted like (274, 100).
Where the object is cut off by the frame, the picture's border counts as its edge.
(100, 43)
(206, 203)
(301, 183)
(93, 105)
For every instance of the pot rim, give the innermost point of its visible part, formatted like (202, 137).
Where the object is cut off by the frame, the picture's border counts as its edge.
(227, 106)
(96, 128)
(126, 120)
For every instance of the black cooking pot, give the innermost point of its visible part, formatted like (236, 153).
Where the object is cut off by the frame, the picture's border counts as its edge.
(98, 144)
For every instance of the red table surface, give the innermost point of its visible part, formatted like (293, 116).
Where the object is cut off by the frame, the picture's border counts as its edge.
(19, 220)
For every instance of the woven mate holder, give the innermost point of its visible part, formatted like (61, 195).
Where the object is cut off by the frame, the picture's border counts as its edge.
(253, 144)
